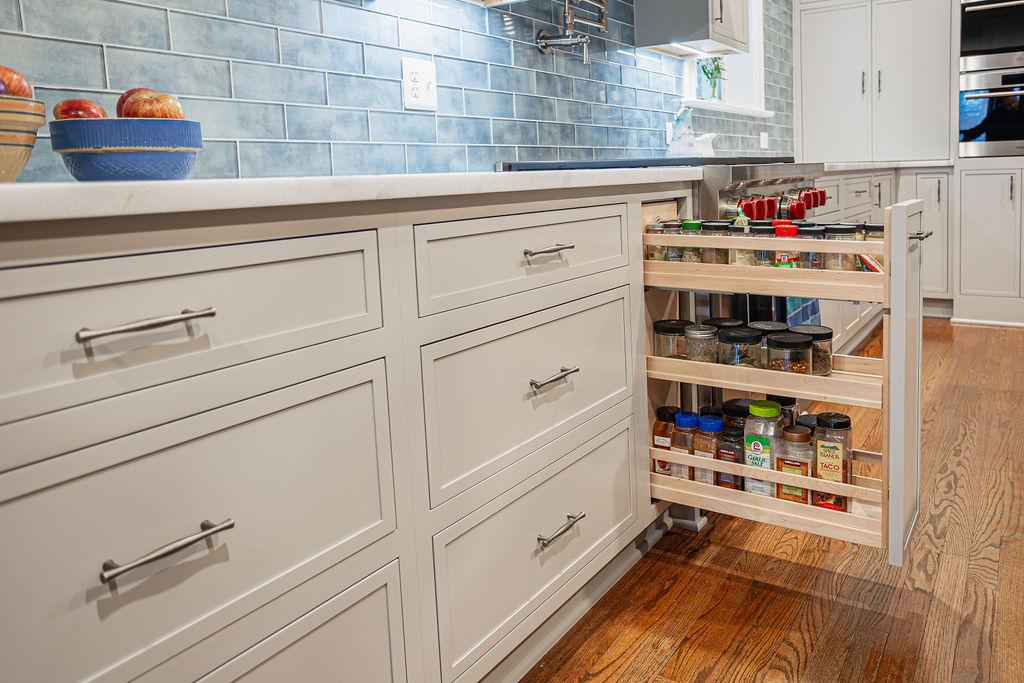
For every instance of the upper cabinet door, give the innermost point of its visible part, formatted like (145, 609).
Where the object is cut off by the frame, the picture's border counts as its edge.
(933, 190)
(835, 101)
(729, 20)
(903, 368)
(990, 233)
(911, 80)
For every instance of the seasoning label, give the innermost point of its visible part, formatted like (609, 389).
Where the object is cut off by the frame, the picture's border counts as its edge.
(662, 467)
(829, 466)
(794, 493)
(663, 442)
(702, 475)
(757, 452)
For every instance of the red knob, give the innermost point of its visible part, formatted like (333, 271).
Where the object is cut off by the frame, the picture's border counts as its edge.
(797, 210)
(822, 197)
(760, 209)
(773, 206)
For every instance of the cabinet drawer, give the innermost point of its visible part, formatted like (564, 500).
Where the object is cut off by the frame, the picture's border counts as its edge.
(831, 204)
(491, 570)
(482, 412)
(354, 636)
(304, 471)
(466, 262)
(856, 193)
(267, 297)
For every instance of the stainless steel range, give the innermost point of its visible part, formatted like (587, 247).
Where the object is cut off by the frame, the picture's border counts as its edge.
(783, 190)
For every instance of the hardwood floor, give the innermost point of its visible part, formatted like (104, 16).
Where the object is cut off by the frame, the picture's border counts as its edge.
(744, 601)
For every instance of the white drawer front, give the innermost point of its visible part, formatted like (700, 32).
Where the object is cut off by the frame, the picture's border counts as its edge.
(354, 636)
(856, 193)
(831, 204)
(491, 571)
(481, 411)
(304, 472)
(466, 262)
(268, 297)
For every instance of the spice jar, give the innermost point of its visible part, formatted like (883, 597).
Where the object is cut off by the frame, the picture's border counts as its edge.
(811, 259)
(655, 252)
(664, 427)
(673, 228)
(670, 338)
(763, 257)
(809, 420)
(702, 343)
(832, 445)
(740, 257)
(710, 410)
(875, 232)
(705, 445)
(821, 347)
(789, 352)
(735, 412)
(715, 229)
(692, 254)
(730, 449)
(796, 457)
(788, 406)
(786, 258)
(841, 261)
(682, 439)
(739, 346)
(722, 322)
(761, 443)
(767, 327)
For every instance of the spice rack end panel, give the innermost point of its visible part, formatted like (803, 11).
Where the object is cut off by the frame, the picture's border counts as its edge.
(879, 512)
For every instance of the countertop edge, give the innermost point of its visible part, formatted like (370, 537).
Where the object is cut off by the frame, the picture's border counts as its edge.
(846, 166)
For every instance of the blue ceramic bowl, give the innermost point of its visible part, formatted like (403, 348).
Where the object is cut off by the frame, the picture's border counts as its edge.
(127, 149)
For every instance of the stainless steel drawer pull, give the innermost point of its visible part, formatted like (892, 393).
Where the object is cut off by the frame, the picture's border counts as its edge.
(557, 377)
(85, 334)
(545, 541)
(993, 94)
(112, 570)
(995, 5)
(920, 235)
(860, 192)
(548, 250)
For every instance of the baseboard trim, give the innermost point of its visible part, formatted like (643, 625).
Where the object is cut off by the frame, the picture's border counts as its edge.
(938, 308)
(985, 323)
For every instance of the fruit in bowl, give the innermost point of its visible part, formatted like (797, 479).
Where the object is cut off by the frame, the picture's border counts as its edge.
(148, 104)
(20, 118)
(78, 109)
(15, 83)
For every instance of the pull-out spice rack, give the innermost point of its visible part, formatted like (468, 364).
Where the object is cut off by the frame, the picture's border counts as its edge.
(881, 511)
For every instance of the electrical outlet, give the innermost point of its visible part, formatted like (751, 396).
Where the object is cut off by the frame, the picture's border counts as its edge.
(419, 84)
(764, 140)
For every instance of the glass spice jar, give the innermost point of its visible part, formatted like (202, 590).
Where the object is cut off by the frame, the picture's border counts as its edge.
(739, 346)
(722, 322)
(767, 327)
(875, 232)
(821, 348)
(788, 406)
(705, 445)
(841, 261)
(682, 439)
(761, 443)
(715, 229)
(735, 412)
(670, 338)
(813, 260)
(664, 427)
(740, 257)
(796, 456)
(763, 257)
(789, 352)
(786, 258)
(730, 449)
(692, 254)
(702, 343)
(673, 228)
(832, 446)
(655, 252)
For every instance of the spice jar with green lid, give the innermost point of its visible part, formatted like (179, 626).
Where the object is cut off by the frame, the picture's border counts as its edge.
(702, 343)
(761, 434)
(767, 327)
(655, 252)
(739, 346)
(715, 229)
(789, 352)
(692, 254)
(670, 338)
(821, 347)
(763, 257)
(841, 261)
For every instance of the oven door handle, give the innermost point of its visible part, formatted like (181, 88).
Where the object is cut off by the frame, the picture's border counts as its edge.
(995, 5)
(997, 93)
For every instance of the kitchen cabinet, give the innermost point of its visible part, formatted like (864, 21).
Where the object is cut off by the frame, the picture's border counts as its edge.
(835, 45)
(990, 233)
(870, 89)
(882, 194)
(708, 26)
(933, 190)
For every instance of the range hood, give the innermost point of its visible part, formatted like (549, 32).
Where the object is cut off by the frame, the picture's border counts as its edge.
(687, 28)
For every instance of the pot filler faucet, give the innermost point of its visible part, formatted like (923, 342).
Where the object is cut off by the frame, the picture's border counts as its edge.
(570, 38)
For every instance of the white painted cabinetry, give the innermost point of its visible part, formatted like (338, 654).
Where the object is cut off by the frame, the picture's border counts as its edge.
(934, 190)
(730, 21)
(990, 233)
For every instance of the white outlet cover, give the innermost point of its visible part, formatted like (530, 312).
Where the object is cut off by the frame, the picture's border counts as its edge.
(419, 84)
(764, 140)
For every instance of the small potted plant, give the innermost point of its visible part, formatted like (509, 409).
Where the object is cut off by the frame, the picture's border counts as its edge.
(712, 70)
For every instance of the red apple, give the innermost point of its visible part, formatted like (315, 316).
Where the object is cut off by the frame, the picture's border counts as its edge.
(78, 109)
(15, 83)
(128, 93)
(152, 105)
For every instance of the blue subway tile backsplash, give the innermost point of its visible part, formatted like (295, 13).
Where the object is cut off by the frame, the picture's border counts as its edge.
(313, 87)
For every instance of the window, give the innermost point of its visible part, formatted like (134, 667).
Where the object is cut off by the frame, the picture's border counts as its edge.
(742, 90)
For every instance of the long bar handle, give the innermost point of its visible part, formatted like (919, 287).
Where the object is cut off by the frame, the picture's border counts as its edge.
(863, 82)
(995, 5)
(721, 12)
(553, 249)
(938, 192)
(86, 334)
(545, 541)
(880, 80)
(557, 377)
(920, 235)
(998, 93)
(112, 570)
(878, 185)
(1011, 188)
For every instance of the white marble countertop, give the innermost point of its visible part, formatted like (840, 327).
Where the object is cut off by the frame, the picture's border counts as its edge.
(64, 201)
(844, 166)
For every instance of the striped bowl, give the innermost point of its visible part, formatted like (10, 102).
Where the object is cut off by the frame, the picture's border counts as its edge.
(20, 118)
(127, 149)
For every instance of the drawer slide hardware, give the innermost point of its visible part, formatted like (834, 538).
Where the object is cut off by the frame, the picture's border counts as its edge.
(112, 570)
(85, 334)
(545, 541)
(554, 249)
(557, 377)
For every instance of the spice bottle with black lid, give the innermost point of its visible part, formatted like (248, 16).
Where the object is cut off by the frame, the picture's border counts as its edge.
(789, 352)
(832, 446)
(821, 348)
(788, 405)
(767, 327)
(670, 338)
(739, 346)
(735, 411)
(664, 427)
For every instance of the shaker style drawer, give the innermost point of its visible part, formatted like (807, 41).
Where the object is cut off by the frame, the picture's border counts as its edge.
(494, 395)
(831, 187)
(354, 636)
(857, 193)
(492, 568)
(303, 473)
(469, 261)
(78, 332)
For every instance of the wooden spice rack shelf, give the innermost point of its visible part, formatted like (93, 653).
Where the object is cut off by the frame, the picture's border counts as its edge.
(854, 381)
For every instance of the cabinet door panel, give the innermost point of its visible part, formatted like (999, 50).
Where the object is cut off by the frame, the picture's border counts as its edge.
(729, 19)
(881, 193)
(990, 233)
(834, 67)
(910, 81)
(933, 190)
